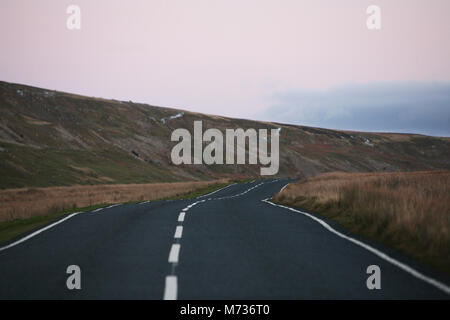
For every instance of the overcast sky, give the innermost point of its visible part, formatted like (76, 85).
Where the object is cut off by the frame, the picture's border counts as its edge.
(308, 62)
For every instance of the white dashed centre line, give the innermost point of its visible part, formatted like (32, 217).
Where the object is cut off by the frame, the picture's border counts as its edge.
(170, 290)
(178, 232)
(174, 253)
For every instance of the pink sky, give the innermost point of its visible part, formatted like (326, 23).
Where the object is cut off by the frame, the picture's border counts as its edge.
(222, 57)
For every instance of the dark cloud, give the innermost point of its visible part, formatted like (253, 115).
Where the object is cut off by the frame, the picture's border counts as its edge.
(393, 107)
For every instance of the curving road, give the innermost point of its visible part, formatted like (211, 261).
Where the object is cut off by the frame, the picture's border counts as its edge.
(227, 245)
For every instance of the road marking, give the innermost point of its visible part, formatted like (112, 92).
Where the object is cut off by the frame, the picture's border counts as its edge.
(111, 206)
(216, 191)
(283, 188)
(174, 253)
(114, 205)
(170, 290)
(144, 202)
(178, 232)
(242, 193)
(439, 285)
(38, 232)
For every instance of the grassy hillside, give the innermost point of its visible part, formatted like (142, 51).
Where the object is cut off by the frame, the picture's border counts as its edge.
(407, 211)
(50, 138)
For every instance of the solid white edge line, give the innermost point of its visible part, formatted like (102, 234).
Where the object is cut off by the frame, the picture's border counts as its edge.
(170, 289)
(178, 232)
(439, 285)
(111, 206)
(174, 252)
(216, 191)
(38, 232)
(283, 188)
(181, 216)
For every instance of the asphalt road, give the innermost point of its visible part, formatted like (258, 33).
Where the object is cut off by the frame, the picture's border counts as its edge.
(227, 245)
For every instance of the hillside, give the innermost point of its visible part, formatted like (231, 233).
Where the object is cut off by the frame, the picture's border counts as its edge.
(50, 138)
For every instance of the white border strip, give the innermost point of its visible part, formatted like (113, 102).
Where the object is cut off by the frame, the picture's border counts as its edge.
(216, 190)
(114, 205)
(38, 232)
(283, 188)
(439, 285)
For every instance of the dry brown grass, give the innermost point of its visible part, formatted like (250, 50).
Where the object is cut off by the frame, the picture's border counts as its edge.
(409, 211)
(29, 202)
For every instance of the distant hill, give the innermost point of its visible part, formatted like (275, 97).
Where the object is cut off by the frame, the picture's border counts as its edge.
(50, 138)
